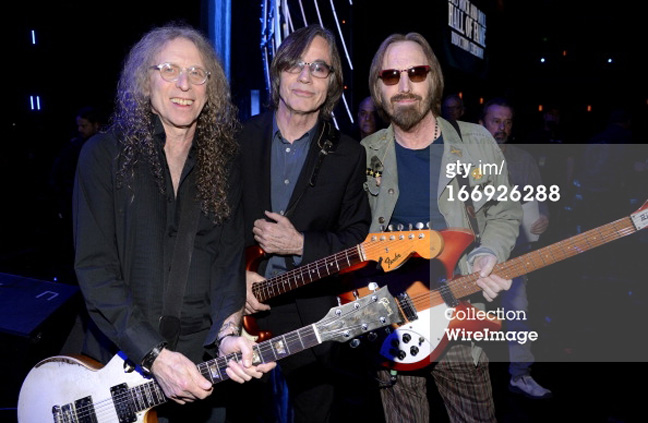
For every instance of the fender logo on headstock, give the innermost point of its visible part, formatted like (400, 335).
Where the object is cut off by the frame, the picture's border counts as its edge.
(389, 261)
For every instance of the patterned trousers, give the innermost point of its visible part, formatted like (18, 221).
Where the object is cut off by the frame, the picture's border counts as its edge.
(464, 387)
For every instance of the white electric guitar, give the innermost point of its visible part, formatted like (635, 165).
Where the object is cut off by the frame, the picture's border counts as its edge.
(65, 389)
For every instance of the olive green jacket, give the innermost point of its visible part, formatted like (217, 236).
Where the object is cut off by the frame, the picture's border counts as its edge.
(498, 222)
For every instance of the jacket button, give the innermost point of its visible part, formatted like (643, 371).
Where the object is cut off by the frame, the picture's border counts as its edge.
(381, 220)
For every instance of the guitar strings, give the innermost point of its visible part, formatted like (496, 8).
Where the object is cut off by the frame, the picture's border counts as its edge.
(372, 248)
(105, 407)
(465, 285)
(268, 286)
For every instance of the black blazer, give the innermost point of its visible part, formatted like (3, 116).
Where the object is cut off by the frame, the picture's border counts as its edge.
(333, 214)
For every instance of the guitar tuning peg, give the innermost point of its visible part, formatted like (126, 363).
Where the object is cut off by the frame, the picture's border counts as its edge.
(373, 286)
(382, 228)
(427, 225)
(355, 343)
(390, 228)
(419, 225)
(400, 227)
(409, 225)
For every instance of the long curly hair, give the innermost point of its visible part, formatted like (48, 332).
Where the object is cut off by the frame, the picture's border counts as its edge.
(133, 120)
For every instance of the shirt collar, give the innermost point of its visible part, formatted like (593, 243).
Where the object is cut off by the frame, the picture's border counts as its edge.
(309, 135)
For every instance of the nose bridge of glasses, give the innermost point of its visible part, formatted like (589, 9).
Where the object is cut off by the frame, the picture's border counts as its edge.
(404, 82)
(183, 77)
(305, 70)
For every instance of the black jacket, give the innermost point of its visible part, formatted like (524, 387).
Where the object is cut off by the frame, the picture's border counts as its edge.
(333, 214)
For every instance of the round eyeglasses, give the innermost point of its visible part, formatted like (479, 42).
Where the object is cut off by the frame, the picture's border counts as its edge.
(317, 69)
(170, 72)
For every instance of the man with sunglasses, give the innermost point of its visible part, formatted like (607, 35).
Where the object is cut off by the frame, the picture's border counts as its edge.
(303, 200)
(408, 182)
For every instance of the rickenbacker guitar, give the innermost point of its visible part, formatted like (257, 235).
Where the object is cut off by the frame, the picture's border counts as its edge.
(78, 390)
(389, 249)
(423, 337)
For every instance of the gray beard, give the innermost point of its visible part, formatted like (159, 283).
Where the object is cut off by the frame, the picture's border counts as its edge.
(407, 117)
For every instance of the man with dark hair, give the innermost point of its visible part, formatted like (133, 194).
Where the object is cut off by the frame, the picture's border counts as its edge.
(303, 200)
(88, 123)
(409, 183)
(497, 117)
(452, 108)
(368, 120)
(164, 178)
(61, 182)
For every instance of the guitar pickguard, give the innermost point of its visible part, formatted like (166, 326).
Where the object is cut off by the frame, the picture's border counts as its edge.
(415, 341)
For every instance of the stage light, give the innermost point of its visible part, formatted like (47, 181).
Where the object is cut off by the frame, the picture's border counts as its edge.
(34, 102)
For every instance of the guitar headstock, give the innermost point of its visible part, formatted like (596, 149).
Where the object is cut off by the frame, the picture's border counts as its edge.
(640, 217)
(391, 249)
(365, 314)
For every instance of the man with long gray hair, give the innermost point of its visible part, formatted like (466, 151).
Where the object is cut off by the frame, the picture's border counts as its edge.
(158, 224)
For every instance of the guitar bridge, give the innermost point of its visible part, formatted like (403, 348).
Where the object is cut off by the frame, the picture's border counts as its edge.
(407, 307)
(81, 411)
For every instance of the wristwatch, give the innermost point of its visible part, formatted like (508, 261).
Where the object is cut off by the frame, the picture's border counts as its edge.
(147, 361)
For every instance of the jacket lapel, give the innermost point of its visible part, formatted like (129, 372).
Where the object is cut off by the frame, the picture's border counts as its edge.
(265, 135)
(307, 169)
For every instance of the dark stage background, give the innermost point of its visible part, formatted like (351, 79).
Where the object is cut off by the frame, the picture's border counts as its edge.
(80, 49)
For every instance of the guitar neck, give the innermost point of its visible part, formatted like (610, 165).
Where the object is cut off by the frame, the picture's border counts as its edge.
(306, 274)
(527, 263)
(150, 394)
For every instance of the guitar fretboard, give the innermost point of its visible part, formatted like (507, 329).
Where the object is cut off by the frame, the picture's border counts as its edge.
(149, 395)
(306, 274)
(527, 263)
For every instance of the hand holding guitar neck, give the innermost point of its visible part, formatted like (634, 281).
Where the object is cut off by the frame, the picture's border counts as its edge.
(243, 370)
(179, 377)
(490, 283)
(252, 305)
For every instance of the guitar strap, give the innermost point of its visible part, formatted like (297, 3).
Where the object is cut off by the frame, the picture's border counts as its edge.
(463, 182)
(470, 208)
(179, 271)
(446, 292)
(327, 142)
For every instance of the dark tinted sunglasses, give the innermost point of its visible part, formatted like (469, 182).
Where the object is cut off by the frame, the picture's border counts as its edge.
(415, 74)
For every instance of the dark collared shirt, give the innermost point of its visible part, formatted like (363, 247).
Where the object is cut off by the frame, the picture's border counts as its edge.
(124, 236)
(286, 163)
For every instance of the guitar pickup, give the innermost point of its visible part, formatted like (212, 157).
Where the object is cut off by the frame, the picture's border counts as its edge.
(407, 307)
